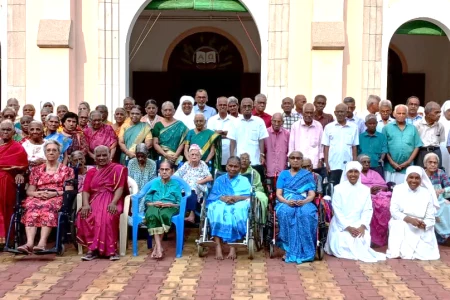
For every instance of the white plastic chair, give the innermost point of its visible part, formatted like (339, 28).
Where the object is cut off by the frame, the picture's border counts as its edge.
(123, 227)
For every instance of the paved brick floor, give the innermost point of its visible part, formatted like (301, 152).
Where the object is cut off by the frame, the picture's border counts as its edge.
(192, 277)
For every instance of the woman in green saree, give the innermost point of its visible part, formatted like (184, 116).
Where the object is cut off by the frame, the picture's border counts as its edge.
(132, 134)
(169, 135)
(162, 202)
(209, 141)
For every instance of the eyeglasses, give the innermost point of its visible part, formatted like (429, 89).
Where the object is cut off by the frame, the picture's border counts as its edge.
(296, 157)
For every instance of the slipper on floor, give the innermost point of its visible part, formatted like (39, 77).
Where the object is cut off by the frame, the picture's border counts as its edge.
(24, 249)
(38, 249)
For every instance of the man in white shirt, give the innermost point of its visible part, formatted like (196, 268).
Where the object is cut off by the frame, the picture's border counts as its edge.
(340, 140)
(221, 124)
(247, 135)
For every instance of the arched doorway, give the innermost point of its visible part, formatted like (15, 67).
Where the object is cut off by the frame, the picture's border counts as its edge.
(174, 52)
(418, 63)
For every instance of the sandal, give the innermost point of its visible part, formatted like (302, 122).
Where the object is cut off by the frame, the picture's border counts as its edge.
(89, 256)
(24, 249)
(114, 257)
(38, 249)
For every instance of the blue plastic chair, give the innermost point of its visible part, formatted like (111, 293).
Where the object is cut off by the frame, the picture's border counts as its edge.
(178, 219)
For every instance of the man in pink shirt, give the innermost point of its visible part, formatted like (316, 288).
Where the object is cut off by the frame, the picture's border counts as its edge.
(306, 137)
(276, 146)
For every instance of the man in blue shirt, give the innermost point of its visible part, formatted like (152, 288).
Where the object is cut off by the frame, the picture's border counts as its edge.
(413, 104)
(373, 144)
(201, 97)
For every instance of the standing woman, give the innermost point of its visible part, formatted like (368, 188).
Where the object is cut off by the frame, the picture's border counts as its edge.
(169, 134)
(48, 105)
(34, 145)
(53, 134)
(84, 106)
(13, 163)
(119, 116)
(151, 108)
(445, 120)
(185, 112)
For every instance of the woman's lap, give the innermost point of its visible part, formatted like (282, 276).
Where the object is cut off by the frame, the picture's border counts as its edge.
(228, 221)
(39, 213)
(158, 219)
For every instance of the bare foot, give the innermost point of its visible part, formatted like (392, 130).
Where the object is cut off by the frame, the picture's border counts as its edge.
(154, 252)
(232, 254)
(219, 254)
(159, 254)
(189, 219)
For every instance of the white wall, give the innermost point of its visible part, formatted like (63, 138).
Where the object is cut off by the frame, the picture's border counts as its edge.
(429, 55)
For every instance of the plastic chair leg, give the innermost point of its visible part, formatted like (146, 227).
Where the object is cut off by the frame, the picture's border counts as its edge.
(135, 236)
(123, 235)
(149, 241)
(180, 239)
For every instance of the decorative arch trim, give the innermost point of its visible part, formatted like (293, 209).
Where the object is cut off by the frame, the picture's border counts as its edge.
(194, 30)
(401, 56)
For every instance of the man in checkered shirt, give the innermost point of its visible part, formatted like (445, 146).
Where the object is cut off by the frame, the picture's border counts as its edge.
(289, 117)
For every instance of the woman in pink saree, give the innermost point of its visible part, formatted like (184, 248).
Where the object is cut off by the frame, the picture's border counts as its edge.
(98, 220)
(381, 201)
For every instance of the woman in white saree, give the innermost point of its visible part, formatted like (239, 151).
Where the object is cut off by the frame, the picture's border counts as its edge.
(413, 210)
(349, 233)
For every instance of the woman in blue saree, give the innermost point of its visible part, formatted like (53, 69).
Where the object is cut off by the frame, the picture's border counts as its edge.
(228, 206)
(296, 213)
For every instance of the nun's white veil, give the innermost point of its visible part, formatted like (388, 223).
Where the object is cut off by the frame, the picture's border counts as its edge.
(425, 182)
(352, 165)
(188, 120)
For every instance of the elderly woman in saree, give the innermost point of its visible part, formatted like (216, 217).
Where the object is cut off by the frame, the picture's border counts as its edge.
(169, 135)
(77, 159)
(228, 205)
(34, 145)
(307, 165)
(441, 184)
(134, 133)
(208, 140)
(120, 114)
(13, 163)
(246, 168)
(70, 124)
(151, 118)
(349, 232)
(381, 202)
(185, 112)
(413, 209)
(53, 134)
(49, 105)
(104, 190)
(99, 134)
(296, 214)
(44, 197)
(25, 128)
(141, 168)
(162, 202)
(196, 173)
(84, 106)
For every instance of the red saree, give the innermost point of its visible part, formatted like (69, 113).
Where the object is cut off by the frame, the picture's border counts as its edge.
(13, 158)
(100, 230)
(105, 136)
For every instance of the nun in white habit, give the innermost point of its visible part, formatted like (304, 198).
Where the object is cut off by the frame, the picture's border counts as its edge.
(185, 112)
(445, 120)
(349, 232)
(413, 212)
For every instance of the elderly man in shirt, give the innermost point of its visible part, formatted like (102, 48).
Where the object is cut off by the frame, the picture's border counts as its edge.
(201, 97)
(320, 101)
(276, 146)
(413, 104)
(299, 101)
(340, 140)
(373, 144)
(247, 135)
(372, 105)
(403, 145)
(260, 107)
(221, 123)
(233, 107)
(431, 132)
(351, 117)
(289, 118)
(306, 137)
(384, 117)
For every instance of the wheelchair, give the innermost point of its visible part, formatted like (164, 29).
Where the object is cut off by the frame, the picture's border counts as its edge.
(65, 231)
(254, 238)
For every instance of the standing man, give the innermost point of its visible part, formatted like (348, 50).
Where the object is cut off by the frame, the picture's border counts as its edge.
(221, 124)
(413, 104)
(306, 137)
(299, 100)
(385, 115)
(431, 132)
(276, 146)
(103, 109)
(403, 143)
(320, 101)
(373, 144)
(233, 107)
(201, 97)
(351, 117)
(372, 106)
(247, 135)
(340, 141)
(260, 107)
(289, 118)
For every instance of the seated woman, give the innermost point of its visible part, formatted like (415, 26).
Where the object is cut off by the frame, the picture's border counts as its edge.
(296, 214)
(441, 184)
(228, 207)
(162, 202)
(52, 122)
(307, 165)
(381, 201)
(78, 159)
(259, 189)
(104, 190)
(196, 173)
(44, 197)
(349, 232)
(413, 209)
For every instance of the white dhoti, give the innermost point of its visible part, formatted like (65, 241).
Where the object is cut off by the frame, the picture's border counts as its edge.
(395, 177)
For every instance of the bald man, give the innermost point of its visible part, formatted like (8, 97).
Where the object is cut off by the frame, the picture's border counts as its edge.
(340, 141)
(276, 146)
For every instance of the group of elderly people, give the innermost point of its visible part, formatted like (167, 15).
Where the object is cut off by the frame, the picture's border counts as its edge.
(367, 214)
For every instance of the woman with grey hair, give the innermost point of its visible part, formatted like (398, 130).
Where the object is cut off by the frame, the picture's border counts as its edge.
(44, 197)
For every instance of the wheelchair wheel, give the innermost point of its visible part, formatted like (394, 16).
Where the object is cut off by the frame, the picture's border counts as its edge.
(201, 251)
(258, 228)
(61, 251)
(251, 248)
(320, 252)
(271, 250)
